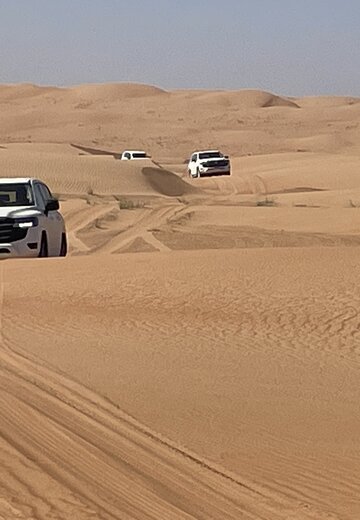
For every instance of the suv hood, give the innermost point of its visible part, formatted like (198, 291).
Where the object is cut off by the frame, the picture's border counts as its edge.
(18, 211)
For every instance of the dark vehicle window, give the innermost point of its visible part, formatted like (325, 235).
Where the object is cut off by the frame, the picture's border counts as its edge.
(45, 192)
(16, 195)
(139, 155)
(209, 155)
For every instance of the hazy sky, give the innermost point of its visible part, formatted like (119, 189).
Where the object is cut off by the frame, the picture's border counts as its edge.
(294, 47)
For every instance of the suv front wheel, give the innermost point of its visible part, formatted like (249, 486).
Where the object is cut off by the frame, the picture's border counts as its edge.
(63, 247)
(44, 252)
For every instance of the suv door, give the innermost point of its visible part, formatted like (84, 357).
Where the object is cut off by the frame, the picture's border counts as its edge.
(52, 220)
(192, 164)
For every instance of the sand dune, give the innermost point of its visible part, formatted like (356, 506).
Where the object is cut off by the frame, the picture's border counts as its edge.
(69, 173)
(113, 92)
(197, 354)
(169, 124)
(21, 93)
(90, 92)
(248, 99)
(293, 172)
(243, 379)
(327, 101)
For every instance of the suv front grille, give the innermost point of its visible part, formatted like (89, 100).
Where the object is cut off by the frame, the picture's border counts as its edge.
(9, 233)
(216, 164)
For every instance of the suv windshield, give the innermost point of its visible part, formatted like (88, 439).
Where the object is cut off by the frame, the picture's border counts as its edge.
(16, 194)
(210, 155)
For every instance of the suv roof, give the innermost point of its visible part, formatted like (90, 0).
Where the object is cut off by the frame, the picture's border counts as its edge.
(15, 180)
(207, 151)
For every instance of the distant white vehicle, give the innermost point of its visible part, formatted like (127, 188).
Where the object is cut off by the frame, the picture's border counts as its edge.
(130, 155)
(208, 162)
(30, 223)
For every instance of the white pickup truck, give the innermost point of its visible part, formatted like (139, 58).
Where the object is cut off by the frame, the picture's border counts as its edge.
(208, 162)
(30, 223)
(133, 155)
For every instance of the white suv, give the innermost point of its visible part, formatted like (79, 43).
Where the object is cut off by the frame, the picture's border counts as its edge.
(131, 155)
(30, 223)
(208, 162)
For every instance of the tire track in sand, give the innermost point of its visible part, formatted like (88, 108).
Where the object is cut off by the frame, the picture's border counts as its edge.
(142, 228)
(106, 463)
(81, 219)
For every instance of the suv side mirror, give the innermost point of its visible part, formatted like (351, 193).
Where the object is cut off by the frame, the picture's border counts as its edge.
(52, 205)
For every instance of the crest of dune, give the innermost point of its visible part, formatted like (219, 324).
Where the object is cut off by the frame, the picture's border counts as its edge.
(22, 92)
(113, 92)
(249, 99)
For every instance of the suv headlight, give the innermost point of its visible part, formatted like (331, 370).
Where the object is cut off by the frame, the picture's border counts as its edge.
(26, 222)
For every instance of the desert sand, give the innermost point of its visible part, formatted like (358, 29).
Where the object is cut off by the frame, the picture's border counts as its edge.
(197, 354)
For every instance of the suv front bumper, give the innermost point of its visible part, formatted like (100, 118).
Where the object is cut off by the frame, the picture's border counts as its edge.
(207, 172)
(28, 247)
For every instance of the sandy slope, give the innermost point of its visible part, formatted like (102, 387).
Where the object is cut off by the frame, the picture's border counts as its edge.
(69, 173)
(250, 360)
(213, 372)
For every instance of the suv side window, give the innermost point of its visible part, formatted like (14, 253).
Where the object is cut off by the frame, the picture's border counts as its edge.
(42, 194)
(45, 192)
(39, 196)
(128, 156)
(193, 158)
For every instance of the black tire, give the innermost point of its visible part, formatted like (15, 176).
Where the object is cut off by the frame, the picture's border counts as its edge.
(63, 246)
(44, 251)
(197, 172)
